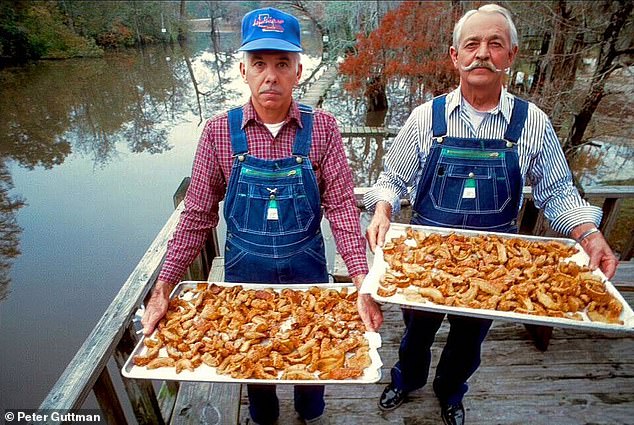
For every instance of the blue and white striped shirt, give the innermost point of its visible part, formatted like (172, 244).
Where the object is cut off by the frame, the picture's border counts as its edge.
(542, 161)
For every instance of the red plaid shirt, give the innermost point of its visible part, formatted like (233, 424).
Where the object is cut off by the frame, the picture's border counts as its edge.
(212, 168)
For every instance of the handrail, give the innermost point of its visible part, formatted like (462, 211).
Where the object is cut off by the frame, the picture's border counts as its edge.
(83, 371)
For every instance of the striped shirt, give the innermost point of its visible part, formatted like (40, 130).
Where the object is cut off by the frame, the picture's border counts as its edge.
(542, 162)
(212, 168)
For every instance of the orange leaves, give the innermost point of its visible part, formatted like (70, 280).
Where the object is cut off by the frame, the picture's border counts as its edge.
(412, 43)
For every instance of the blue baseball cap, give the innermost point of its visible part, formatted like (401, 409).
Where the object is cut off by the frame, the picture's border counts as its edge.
(270, 29)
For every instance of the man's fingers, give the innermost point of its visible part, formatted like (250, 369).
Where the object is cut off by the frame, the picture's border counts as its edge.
(608, 266)
(383, 228)
(375, 234)
(370, 235)
(594, 262)
(377, 320)
(365, 319)
(370, 313)
(149, 323)
(601, 256)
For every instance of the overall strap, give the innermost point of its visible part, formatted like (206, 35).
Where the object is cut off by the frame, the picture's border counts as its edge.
(438, 121)
(304, 134)
(238, 135)
(518, 117)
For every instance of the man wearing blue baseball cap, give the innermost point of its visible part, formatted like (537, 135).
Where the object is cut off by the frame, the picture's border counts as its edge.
(276, 163)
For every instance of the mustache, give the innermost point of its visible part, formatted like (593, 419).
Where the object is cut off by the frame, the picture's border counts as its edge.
(480, 64)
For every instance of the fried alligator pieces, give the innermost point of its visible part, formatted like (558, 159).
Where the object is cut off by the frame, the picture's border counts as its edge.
(261, 334)
(490, 272)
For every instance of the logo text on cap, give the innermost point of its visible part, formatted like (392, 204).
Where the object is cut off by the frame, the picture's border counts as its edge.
(266, 23)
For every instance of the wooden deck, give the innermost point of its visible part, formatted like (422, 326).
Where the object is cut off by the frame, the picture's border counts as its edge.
(583, 378)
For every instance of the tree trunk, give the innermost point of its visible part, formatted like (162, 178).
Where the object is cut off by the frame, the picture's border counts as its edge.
(605, 66)
(538, 79)
(181, 22)
(376, 95)
(215, 42)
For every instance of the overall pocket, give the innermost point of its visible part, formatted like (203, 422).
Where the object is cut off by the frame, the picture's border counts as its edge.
(470, 182)
(271, 202)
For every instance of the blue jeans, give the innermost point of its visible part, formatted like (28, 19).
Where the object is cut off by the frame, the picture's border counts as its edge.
(264, 405)
(459, 359)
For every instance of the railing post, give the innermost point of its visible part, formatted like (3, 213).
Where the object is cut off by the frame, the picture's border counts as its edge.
(107, 397)
(611, 207)
(140, 392)
(628, 249)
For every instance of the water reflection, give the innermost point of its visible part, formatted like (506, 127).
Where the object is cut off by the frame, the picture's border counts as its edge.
(607, 162)
(127, 101)
(9, 229)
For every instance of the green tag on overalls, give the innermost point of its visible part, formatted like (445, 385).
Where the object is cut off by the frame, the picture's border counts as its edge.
(271, 213)
(469, 191)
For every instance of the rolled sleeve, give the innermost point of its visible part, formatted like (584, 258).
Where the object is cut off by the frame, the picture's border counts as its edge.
(338, 200)
(381, 193)
(200, 215)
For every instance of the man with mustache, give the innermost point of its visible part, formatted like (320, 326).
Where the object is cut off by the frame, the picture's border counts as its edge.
(467, 155)
(276, 163)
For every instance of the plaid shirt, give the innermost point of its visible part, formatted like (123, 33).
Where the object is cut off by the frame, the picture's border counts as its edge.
(212, 168)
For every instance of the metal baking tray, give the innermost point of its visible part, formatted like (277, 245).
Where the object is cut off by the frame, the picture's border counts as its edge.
(379, 266)
(204, 373)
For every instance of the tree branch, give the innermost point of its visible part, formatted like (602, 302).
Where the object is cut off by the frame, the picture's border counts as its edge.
(628, 51)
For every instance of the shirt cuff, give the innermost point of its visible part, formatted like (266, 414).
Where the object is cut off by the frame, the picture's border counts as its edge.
(170, 274)
(573, 218)
(357, 266)
(381, 194)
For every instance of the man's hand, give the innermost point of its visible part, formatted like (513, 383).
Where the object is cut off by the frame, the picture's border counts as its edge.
(369, 310)
(380, 224)
(597, 247)
(601, 254)
(156, 307)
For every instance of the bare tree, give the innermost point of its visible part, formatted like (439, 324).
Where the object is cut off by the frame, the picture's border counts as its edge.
(612, 56)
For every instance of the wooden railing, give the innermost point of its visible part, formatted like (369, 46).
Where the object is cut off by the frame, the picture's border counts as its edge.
(114, 335)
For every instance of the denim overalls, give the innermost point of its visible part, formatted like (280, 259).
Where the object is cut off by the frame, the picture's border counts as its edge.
(273, 214)
(467, 183)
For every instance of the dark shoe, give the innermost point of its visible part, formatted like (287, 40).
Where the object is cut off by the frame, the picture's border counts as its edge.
(391, 398)
(452, 414)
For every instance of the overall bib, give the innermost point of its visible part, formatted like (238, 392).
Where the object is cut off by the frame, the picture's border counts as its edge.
(273, 213)
(467, 183)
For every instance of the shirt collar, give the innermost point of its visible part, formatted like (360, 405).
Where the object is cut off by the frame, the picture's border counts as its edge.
(249, 113)
(454, 100)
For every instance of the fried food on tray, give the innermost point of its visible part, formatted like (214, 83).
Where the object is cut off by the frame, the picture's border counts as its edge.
(490, 272)
(261, 334)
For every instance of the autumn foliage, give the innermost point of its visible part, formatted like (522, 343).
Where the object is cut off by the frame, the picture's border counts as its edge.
(410, 45)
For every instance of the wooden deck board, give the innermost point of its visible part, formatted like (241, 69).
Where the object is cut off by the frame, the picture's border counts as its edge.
(206, 403)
